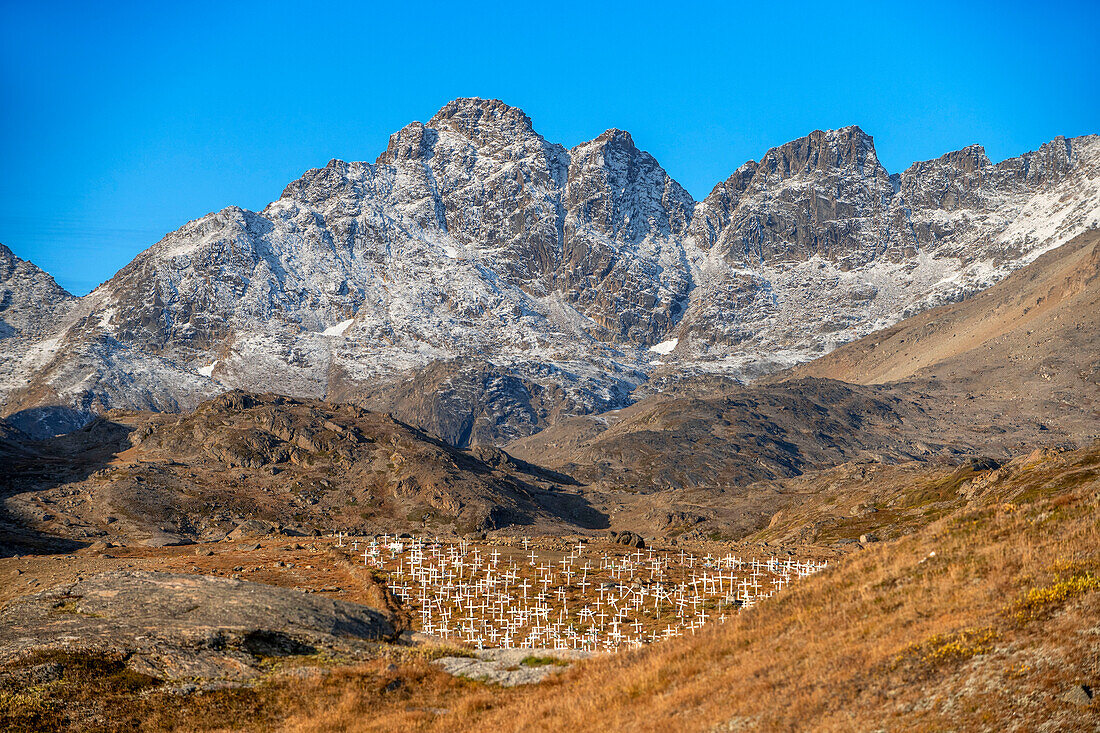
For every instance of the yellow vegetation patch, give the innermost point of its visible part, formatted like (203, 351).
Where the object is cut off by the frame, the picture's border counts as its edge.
(948, 648)
(536, 661)
(1039, 601)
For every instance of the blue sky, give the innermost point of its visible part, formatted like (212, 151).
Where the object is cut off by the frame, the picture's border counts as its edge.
(120, 121)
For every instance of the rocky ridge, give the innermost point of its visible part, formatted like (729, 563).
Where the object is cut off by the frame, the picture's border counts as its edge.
(243, 464)
(572, 275)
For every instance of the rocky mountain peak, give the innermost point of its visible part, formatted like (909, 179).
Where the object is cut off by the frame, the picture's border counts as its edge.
(12, 267)
(30, 299)
(614, 137)
(970, 159)
(1053, 159)
(318, 185)
(8, 262)
(713, 214)
(612, 181)
(574, 274)
(966, 161)
(483, 121)
(473, 112)
(414, 141)
(824, 151)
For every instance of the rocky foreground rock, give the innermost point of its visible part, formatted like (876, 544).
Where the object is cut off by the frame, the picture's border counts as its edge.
(511, 667)
(180, 626)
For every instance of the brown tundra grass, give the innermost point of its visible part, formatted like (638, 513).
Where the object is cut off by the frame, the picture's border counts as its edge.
(982, 619)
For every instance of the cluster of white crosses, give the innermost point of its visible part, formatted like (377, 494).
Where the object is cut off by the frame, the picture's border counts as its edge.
(591, 600)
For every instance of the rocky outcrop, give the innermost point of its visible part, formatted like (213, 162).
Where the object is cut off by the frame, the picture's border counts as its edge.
(630, 539)
(511, 667)
(173, 626)
(269, 461)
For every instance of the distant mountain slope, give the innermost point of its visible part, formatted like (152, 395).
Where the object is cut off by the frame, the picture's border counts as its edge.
(577, 273)
(473, 402)
(30, 300)
(304, 464)
(1039, 321)
(1014, 367)
(725, 441)
(32, 306)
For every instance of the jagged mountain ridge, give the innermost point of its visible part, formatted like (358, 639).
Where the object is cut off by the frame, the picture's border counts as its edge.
(818, 245)
(472, 237)
(1015, 367)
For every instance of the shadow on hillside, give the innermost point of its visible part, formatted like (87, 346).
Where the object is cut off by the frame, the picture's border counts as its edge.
(43, 423)
(574, 509)
(30, 466)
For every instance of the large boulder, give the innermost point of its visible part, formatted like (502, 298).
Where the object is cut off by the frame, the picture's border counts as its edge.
(252, 528)
(180, 626)
(630, 539)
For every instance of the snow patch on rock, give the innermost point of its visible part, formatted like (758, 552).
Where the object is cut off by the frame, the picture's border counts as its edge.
(338, 329)
(665, 347)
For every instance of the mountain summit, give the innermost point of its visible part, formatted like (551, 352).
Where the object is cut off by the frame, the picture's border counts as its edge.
(572, 275)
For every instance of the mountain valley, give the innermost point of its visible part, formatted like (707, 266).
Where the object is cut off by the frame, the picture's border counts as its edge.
(234, 474)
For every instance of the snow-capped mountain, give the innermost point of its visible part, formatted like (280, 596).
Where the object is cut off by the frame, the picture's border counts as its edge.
(817, 245)
(568, 276)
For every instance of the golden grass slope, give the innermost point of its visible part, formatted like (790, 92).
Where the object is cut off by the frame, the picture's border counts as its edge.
(986, 619)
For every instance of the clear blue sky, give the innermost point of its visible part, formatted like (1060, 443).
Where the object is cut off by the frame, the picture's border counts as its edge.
(119, 122)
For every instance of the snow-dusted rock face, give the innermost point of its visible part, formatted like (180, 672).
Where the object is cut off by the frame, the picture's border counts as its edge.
(624, 263)
(817, 245)
(570, 275)
(31, 307)
(30, 301)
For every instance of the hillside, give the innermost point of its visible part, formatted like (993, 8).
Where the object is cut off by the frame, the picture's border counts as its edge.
(1038, 322)
(980, 620)
(980, 617)
(267, 462)
(730, 438)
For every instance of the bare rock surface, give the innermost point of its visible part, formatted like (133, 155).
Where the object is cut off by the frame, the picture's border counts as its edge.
(181, 626)
(571, 275)
(511, 667)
